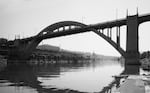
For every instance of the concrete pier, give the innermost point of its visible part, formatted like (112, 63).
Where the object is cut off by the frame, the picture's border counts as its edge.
(132, 42)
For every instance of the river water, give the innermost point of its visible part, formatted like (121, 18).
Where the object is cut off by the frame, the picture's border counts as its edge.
(83, 77)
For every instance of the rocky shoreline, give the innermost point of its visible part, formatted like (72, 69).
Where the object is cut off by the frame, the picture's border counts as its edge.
(145, 63)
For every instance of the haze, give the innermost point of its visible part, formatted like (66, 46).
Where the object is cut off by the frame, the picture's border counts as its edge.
(26, 18)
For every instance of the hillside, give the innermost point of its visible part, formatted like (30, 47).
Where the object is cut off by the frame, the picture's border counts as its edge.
(57, 51)
(48, 47)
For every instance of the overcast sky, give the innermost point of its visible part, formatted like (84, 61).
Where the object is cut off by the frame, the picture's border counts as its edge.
(29, 17)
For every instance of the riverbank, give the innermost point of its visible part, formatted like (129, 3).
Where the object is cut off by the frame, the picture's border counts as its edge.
(53, 54)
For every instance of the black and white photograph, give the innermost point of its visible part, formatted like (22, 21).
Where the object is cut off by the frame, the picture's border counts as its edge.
(74, 46)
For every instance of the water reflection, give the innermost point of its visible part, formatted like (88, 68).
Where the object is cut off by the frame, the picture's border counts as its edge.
(59, 78)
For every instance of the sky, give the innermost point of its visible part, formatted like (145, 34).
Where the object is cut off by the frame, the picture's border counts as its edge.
(26, 18)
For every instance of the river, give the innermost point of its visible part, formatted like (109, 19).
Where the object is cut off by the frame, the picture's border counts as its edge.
(84, 77)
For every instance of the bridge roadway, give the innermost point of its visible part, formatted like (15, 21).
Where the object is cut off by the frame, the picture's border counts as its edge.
(108, 24)
(132, 23)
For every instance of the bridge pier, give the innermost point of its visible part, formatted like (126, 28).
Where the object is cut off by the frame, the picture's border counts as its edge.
(132, 43)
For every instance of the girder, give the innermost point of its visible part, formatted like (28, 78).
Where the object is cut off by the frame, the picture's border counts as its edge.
(143, 18)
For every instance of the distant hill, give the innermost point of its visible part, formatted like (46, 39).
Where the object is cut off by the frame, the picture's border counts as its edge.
(56, 49)
(48, 47)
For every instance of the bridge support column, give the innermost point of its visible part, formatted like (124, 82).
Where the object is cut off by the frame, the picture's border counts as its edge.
(132, 46)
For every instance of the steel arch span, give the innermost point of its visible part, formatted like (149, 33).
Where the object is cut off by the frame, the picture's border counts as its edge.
(67, 28)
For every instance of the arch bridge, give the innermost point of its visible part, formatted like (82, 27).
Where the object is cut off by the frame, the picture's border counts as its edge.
(27, 45)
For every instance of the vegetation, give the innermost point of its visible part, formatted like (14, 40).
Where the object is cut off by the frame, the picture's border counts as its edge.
(145, 60)
(145, 54)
